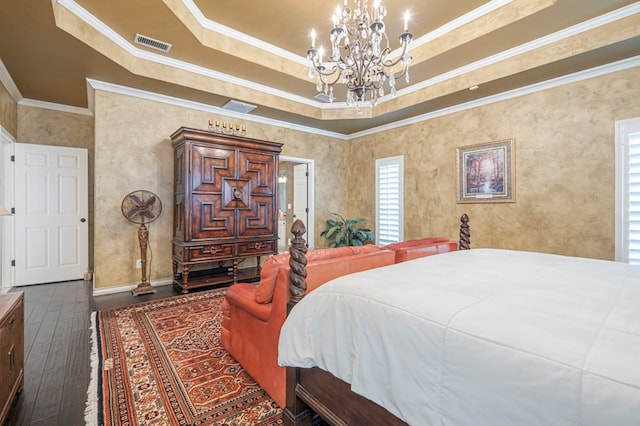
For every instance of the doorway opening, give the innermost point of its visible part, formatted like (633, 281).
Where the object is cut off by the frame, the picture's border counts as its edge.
(295, 199)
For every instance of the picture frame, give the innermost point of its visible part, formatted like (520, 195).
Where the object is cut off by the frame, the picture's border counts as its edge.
(486, 172)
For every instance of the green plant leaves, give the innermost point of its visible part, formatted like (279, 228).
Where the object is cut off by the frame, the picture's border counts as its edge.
(342, 232)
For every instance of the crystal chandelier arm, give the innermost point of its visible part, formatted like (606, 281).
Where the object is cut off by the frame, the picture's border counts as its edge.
(389, 63)
(321, 69)
(371, 64)
(324, 77)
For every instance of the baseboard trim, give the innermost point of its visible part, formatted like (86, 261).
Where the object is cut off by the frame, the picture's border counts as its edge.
(128, 287)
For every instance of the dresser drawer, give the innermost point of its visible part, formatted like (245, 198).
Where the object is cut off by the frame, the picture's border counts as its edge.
(256, 248)
(11, 349)
(208, 252)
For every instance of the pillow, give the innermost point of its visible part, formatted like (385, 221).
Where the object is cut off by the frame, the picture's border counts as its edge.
(268, 275)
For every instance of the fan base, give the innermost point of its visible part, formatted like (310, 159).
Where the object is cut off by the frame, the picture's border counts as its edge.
(143, 289)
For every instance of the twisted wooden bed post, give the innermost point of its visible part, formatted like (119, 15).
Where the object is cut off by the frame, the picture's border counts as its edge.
(465, 234)
(296, 412)
(297, 263)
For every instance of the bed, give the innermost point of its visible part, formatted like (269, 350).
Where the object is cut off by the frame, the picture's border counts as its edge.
(471, 337)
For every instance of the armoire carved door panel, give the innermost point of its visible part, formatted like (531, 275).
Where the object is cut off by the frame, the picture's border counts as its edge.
(178, 191)
(257, 217)
(209, 218)
(258, 220)
(210, 166)
(258, 169)
(236, 194)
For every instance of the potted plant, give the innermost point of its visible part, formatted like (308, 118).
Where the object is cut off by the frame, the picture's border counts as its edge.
(346, 232)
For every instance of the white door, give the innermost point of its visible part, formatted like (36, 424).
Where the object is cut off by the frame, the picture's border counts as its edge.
(51, 228)
(301, 194)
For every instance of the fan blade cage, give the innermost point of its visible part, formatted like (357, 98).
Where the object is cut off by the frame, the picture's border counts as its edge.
(141, 207)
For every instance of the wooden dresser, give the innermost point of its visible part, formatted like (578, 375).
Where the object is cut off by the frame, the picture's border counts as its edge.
(225, 206)
(11, 349)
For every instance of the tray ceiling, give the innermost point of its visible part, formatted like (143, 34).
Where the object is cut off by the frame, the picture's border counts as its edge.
(254, 52)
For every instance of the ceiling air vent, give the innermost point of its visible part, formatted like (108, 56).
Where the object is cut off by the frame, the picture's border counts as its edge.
(153, 43)
(323, 97)
(238, 106)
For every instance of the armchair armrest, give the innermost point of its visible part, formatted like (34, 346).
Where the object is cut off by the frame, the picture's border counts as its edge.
(243, 296)
(414, 249)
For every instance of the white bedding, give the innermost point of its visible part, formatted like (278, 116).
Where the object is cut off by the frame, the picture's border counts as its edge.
(480, 337)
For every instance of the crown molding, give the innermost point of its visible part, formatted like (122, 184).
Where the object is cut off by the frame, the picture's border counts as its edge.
(566, 33)
(538, 87)
(106, 31)
(522, 91)
(170, 100)
(137, 53)
(55, 107)
(237, 35)
(467, 18)
(9, 84)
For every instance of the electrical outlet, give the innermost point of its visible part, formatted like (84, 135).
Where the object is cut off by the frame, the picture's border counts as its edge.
(138, 263)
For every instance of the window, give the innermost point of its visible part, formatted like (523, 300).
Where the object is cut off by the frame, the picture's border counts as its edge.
(628, 191)
(389, 200)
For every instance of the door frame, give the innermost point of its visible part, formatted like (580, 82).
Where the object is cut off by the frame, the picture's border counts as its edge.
(310, 195)
(623, 129)
(7, 237)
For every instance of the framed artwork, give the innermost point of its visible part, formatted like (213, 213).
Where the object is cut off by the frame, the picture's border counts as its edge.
(486, 172)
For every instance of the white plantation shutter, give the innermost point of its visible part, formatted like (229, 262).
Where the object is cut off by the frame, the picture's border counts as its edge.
(628, 191)
(634, 198)
(389, 200)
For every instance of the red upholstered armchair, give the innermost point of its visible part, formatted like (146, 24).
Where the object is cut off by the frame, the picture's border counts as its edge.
(413, 249)
(254, 314)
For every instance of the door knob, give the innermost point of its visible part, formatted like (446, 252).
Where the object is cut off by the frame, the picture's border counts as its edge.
(83, 220)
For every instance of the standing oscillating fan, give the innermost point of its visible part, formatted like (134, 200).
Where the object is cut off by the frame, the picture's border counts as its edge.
(142, 207)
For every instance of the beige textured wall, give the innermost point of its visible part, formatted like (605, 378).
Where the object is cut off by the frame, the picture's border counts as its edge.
(133, 151)
(51, 127)
(564, 155)
(8, 111)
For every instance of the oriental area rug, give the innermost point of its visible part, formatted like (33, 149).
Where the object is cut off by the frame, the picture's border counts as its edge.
(161, 363)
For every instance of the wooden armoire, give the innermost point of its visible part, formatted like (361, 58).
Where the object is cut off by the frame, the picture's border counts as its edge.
(225, 207)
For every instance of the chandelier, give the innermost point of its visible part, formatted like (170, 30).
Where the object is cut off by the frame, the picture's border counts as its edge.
(359, 54)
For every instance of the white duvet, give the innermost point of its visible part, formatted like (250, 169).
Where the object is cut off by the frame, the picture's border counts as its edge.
(480, 337)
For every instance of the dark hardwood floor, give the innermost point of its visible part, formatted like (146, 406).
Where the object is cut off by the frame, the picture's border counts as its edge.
(57, 347)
